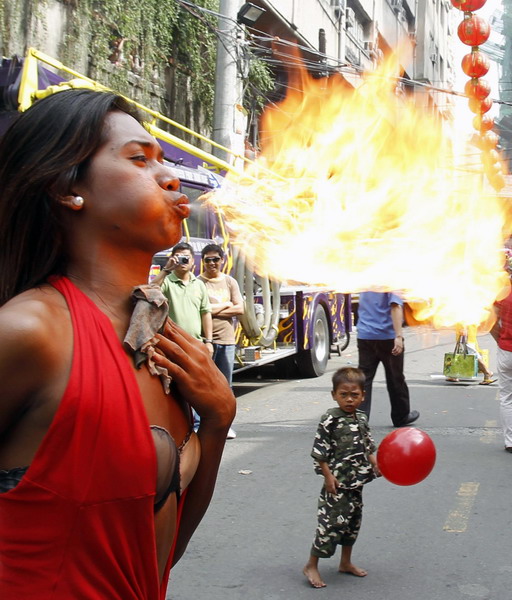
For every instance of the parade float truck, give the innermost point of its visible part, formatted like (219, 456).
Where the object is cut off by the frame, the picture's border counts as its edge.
(296, 327)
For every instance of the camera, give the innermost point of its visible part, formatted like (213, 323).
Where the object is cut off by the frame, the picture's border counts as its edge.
(183, 260)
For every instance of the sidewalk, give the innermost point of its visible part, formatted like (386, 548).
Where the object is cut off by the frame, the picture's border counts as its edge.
(257, 533)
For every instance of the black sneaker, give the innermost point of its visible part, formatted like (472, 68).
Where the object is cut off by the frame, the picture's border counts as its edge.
(414, 415)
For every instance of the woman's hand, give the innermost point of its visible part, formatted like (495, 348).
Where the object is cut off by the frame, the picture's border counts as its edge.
(198, 381)
(195, 375)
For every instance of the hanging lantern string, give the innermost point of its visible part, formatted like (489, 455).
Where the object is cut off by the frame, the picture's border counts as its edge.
(475, 31)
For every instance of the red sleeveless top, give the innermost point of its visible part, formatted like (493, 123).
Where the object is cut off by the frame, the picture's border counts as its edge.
(80, 523)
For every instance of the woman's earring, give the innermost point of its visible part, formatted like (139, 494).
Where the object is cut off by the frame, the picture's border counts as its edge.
(78, 201)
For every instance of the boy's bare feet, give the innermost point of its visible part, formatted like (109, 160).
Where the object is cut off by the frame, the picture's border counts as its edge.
(352, 570)
(313, 575)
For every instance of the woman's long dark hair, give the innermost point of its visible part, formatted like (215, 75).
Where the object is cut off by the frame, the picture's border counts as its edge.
(42, 155)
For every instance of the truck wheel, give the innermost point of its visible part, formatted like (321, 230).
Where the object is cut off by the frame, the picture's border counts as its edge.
(313, 362)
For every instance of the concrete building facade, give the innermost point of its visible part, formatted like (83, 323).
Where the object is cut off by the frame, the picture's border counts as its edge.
(358, 33)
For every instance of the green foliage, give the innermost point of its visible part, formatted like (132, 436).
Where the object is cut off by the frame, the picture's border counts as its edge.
(146, 37)
(260, 81)
(195, 49)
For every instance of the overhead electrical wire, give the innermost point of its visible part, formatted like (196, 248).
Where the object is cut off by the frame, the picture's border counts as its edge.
(289, 60)
(257, 46)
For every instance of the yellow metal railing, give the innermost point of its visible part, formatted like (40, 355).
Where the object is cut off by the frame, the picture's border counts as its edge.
(29, 93)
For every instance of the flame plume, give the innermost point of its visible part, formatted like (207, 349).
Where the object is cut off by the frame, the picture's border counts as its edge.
(359, 189)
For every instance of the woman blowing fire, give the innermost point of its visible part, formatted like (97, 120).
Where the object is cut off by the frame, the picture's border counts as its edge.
(102, 480)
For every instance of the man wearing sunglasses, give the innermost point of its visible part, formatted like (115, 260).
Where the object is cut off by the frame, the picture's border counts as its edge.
(226, 303)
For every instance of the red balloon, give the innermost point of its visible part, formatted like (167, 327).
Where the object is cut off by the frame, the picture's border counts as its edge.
(468, 5)
(474, 31)
(406, 456)
(475, 64)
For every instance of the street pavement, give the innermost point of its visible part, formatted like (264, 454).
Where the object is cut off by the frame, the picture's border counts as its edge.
(446, 538)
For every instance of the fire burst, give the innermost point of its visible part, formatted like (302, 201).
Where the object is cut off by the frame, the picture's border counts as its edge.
(361, 190)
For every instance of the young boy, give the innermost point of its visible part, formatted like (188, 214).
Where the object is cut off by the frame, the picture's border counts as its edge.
(344, 454)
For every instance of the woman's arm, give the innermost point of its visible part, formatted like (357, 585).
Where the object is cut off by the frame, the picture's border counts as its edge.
(33, 371)
(197, 380)
(496, 328)
(14, 387)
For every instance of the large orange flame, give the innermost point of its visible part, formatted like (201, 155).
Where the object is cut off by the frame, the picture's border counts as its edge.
(360, 189)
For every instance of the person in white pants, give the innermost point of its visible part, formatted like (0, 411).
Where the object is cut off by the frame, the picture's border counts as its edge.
(502, 333)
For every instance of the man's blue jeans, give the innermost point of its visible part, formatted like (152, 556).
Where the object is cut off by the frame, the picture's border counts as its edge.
(224, 358)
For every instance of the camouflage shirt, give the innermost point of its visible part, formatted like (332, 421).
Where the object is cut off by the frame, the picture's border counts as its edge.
(344, 442)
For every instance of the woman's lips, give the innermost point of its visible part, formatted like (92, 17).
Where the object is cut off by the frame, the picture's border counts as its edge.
(183, 207)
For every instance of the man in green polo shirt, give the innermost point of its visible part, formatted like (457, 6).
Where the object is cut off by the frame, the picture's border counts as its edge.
(189, 306)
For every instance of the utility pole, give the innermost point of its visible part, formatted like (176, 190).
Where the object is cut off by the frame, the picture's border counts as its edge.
(227, 85)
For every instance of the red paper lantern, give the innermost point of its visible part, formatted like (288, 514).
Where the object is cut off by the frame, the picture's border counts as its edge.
(474, 31)
(480, 106)
(477, 88)
(406, 456)
(468, 5)
(475, 64)
(483, 123)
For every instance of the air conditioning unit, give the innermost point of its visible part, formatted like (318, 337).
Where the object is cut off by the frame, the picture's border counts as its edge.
(338, 7)
(350, 17)
(396, 5)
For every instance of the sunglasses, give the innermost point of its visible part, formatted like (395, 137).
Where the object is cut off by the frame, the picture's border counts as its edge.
(212, 260)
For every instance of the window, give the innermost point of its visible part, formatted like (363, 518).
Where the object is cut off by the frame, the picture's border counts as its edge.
(197, 222)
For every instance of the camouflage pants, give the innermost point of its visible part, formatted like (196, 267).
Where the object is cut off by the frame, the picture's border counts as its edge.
(339, 520)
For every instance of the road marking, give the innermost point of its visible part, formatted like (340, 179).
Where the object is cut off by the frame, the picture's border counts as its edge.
(489, 435)
(457, 520)
(468, 384)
